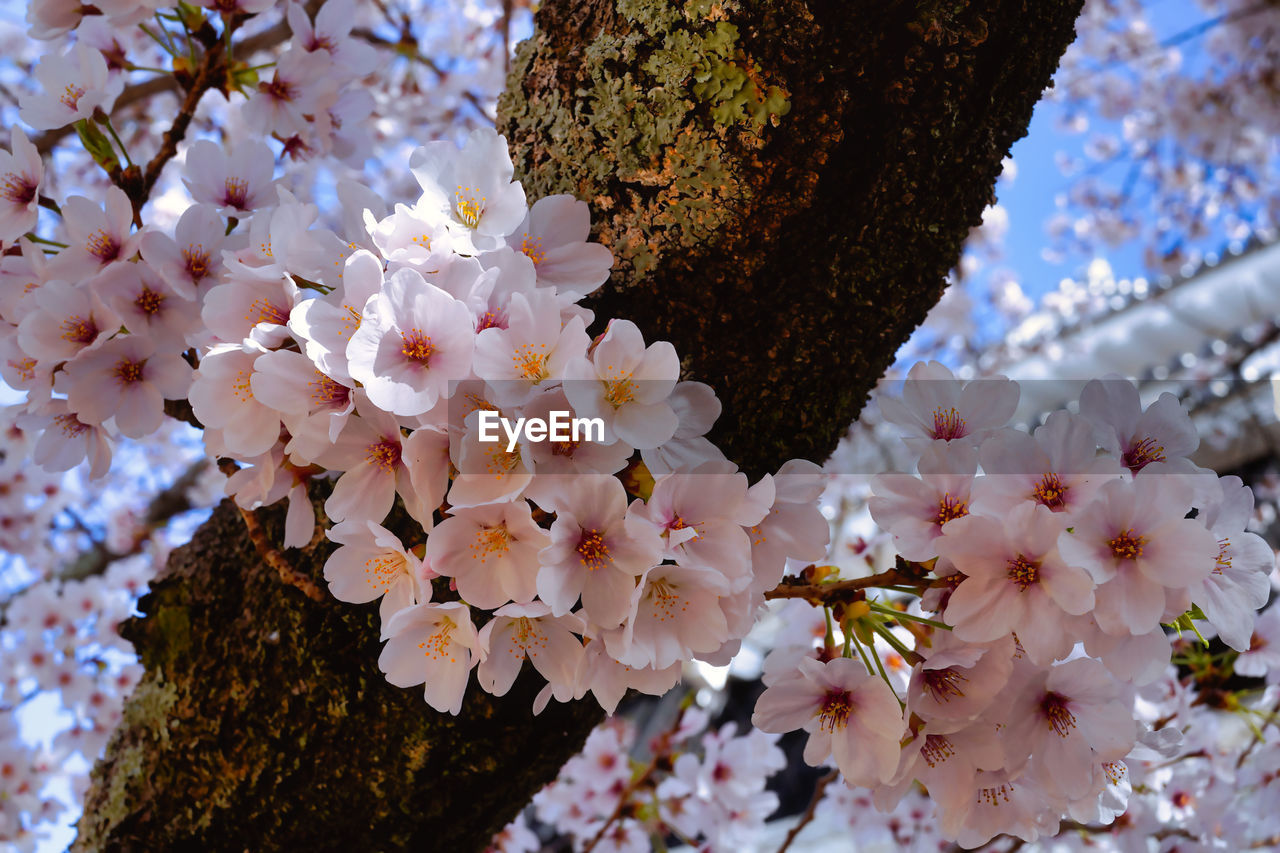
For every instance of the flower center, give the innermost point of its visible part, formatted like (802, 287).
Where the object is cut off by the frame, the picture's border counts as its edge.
(196, 261)
(149, 302)
(1051, 492)
(530, 363)
(264, 311)
(79, 330)
(383, 570)
(1143, 453)
(936, 750)
(947, 424)
(17, 189)
(943, 684)
(129, 371)
(242, 388)
(71, 96)
(1056, 711)
(593, 551)
(416, 346)
(235, 193)
(437, 645)
(834, 714)
(619, 391)
(384, 455)
(1023, 572)
(70, 424)
(1126, 545)
(950, 508)
(1224, 556)
(489, 540)
(279, 89)
(102, 246)
(327, 393)
(469, 205)
(533, 249)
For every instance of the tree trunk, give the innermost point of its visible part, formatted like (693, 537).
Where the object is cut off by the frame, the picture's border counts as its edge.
(785, 185)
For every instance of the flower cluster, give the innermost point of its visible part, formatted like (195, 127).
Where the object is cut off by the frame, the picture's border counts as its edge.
(606, 800)
(605, 559)
(1051, 576)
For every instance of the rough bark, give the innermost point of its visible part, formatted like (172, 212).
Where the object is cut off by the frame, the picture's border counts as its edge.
(785, 185)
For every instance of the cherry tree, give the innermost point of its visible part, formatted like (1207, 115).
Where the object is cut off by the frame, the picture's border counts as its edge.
(317, 279)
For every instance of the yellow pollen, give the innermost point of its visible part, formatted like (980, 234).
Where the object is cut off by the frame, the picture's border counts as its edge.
(1115, 770)
(665, 600)
(70, 424)
(262, 310)
(995, 796)
(1051, 492)
(241, 387)
(619, 391)
(490, 540)
(129, 371)
(17, 189)
(327, 393)
(527, 638)
(469, 205)
(1061, 720)
(947, 424)
(381, 571)
(1142, 454)
(416, 346)
(533, 248)
(943, 684)
(1127, 546)
(235, 192)
(489, 320)
(565, 448)
(1224, 556)
(936, 750)
(834, 713)
(102, 246)
(949, 509)
(149, 302)
(25, 367)
(71, 96)
(384, 455)
(437, 646)
(79, 330)
(531, 362)
(1023, 572)
(593, 551)
(196, 260)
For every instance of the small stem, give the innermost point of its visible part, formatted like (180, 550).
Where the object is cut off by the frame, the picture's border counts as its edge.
(866, 661)
(105, 121)
(898, 646)
(163, 44)
(34, 239)
(809, 812)
(898, 614)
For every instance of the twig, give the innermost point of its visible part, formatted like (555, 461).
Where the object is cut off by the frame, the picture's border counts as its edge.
(138, 92)
(273, 558)
(807, 817)
(839, 590)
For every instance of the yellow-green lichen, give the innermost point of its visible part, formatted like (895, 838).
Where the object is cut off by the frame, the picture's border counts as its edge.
(666, 106)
